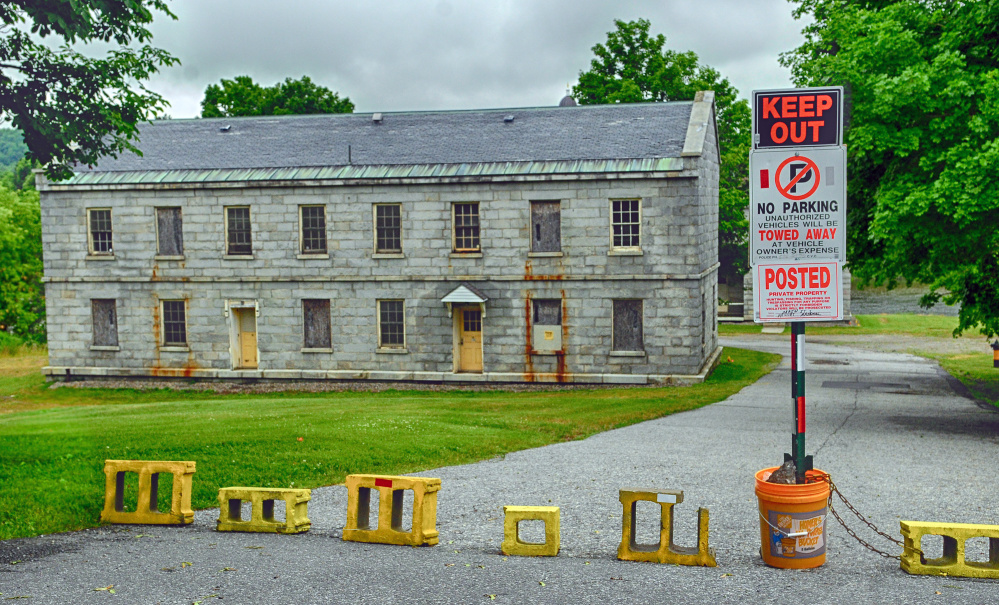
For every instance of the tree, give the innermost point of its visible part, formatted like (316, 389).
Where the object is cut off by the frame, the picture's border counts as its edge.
(922, 79)
(633, 67)
(242, 96)
(22, 294)
(74, 108)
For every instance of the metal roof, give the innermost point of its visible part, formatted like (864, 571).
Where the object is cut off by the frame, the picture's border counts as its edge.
(537, 141)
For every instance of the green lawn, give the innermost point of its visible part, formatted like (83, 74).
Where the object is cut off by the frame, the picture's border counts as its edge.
(975, 371)
(53, 442)
(915, 325)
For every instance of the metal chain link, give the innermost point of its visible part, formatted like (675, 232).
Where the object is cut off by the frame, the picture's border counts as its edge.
(833, 489)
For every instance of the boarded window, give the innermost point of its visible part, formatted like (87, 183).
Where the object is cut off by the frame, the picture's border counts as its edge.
(313, 229)
(466, 227)
(169, 232)
(99, 223)
(317, 323)
(105, 317)
(546, 226)
(388, 228)
(238, 240)
(625, 223)
(628, 325)
(391, 323)
(174, 323)
(548, 312)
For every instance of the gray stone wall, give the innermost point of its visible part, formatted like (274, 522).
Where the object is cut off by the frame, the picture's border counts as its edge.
(674, 275)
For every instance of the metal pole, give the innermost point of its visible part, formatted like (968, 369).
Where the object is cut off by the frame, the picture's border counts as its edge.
(802, 463)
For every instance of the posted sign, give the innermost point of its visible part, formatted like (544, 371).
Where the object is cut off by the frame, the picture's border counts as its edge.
(797, 205)
(798, 292)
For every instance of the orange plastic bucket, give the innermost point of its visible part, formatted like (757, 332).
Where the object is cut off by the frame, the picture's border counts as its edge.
(792, 520)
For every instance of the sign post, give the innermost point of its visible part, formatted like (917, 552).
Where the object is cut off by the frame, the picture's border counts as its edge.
(797, 238)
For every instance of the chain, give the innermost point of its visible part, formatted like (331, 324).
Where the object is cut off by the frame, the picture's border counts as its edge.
(833, 489)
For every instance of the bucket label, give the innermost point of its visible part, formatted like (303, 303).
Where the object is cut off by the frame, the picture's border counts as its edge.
(803, 547)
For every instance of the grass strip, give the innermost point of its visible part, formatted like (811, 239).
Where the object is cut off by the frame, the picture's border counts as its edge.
(975, 370)
(51, 460)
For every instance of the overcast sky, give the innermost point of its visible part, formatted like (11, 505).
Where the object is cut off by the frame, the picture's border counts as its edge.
(393, 55)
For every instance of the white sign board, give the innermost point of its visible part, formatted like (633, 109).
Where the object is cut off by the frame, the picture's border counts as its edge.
(797, 205)
(798, 292)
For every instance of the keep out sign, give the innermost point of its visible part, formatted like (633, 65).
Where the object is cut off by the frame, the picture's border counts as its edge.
(798, 291)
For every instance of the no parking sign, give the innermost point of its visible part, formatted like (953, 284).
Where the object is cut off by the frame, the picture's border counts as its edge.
(797, 205)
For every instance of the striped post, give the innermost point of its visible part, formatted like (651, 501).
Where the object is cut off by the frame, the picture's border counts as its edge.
(802, 462)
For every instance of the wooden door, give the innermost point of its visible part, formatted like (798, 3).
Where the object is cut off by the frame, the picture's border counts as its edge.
(247, 338)
(470, 340)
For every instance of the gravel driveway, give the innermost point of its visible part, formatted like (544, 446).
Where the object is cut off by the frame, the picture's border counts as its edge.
(899, 443)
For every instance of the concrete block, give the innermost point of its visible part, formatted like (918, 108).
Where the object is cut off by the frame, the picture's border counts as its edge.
(389, 528)
(953, 562)
(146, 511)
(296, 509)
(513, 545)
(665, 551)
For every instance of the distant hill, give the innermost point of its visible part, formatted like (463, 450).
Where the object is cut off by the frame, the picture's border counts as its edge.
(12, 148)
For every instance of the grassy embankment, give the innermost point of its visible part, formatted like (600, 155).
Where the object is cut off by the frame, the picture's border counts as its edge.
(973, 369)
(53, 442)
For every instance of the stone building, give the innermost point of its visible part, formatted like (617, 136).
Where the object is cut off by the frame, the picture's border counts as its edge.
(560, 244)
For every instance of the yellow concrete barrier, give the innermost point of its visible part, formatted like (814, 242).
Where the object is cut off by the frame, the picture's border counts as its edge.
(296, 509)
(146, 510)
(953, 562)
(513, 545)
(665, 551)
(389, 528)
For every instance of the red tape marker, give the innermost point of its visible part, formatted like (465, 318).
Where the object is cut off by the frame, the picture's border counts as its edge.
(801, 414)
(383, 483)
(764, 179)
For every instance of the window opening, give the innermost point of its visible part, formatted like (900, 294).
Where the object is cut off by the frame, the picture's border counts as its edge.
(625, 223)
(238, 236)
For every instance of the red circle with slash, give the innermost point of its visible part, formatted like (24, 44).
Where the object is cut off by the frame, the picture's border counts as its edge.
(809, 167)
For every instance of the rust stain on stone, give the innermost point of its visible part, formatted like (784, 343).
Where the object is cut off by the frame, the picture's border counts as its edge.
(561, 372)
(529, 345)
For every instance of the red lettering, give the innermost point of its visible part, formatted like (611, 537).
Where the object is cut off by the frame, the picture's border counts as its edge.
(792, 280)
(769, 275)
(823, 102)
(825, 277)
(788, 107)
(813, 277)
(803, 272)
(794, 132)
(815, 125)
(781, 279)
(805, 106)
(773, 132)
(770, 107)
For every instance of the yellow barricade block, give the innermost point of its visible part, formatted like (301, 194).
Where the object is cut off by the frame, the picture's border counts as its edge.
(665, 551)
(513, 545)
(953, 562)
(146, 509)
(389, 528)
(296, 509)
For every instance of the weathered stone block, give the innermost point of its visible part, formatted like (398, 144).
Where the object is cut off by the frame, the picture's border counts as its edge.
(665, 551)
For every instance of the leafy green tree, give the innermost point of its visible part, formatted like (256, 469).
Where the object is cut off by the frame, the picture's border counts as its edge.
(635, 67)
(922, 78)
(22, 294)
(242, 96)
(74, 108)
(12, 147)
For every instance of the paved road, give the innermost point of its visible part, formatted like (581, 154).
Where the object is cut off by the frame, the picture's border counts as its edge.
(898, 441)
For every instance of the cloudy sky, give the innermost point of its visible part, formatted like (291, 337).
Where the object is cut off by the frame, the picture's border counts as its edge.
(392, 55)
